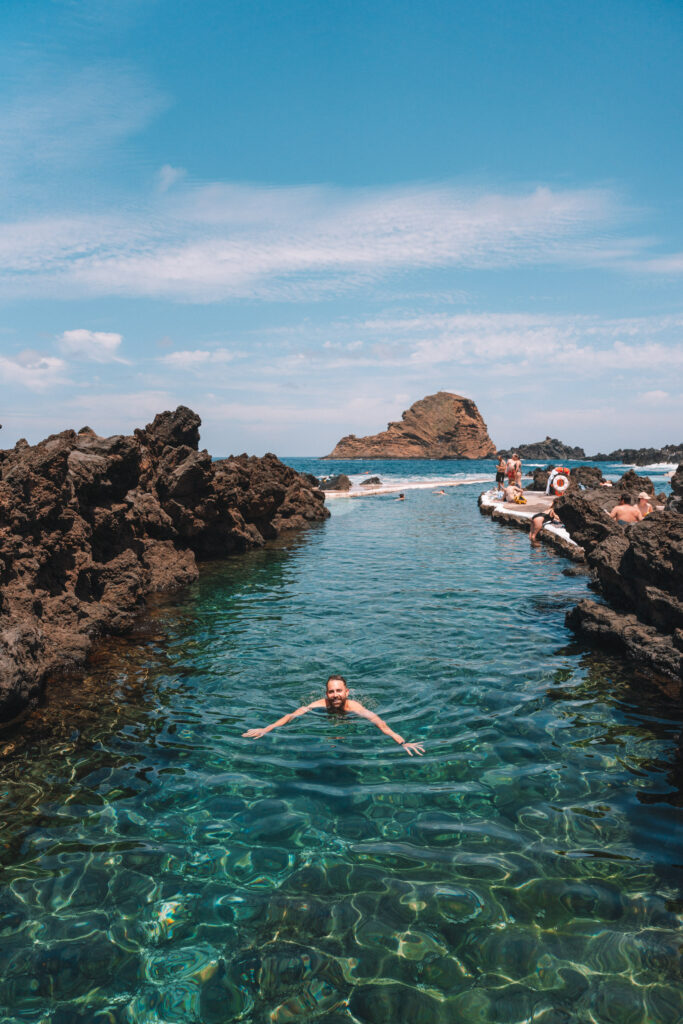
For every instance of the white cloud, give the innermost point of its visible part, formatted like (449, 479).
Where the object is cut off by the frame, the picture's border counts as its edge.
(195, 358)
(99, 346)
(655, 397)
(59, 116)
(168, 176)
(32, 370)
(214, 243)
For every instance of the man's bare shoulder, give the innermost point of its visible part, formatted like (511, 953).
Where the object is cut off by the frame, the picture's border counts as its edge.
(317, 703)
(356, 706)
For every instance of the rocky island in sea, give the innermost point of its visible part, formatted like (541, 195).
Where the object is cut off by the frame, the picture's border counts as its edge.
(440, 426)
(552, 448)
(91, 525)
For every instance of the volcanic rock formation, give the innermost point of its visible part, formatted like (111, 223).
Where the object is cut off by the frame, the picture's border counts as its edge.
(639, 571)
(90, 525)
(551, 448)
(441, 426)
(642, 456)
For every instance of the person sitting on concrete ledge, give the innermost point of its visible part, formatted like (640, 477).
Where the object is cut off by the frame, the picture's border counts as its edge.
(512, 494)
(541, 519)
(626, 511)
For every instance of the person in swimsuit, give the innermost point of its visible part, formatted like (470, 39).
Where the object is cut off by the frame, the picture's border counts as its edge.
(518, 470)
(337, 701)
(644, 503)
(541, 519)
(500, 472)
(626, 512)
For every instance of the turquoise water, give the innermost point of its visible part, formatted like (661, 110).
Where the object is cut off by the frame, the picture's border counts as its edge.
(156, 867)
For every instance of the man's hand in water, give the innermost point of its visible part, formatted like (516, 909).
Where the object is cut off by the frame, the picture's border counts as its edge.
(254, 734)
(413, 748)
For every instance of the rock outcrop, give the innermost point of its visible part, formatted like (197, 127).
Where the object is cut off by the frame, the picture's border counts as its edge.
(335, 483)
(550, 449)
(672, 453)
(580, 477)
(441, 426)
(639, 571)
(90, 525)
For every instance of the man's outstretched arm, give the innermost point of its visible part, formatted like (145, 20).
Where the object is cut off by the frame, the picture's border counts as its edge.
(358, 709)
(256, 734)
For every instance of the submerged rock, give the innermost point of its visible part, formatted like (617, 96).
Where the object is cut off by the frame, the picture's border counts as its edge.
(90, 525)
(441, 426)
(372, 481)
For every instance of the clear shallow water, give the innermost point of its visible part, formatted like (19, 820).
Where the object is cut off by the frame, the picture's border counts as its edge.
(156, 867)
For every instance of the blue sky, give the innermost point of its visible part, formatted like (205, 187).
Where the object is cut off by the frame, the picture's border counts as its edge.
(298, 218)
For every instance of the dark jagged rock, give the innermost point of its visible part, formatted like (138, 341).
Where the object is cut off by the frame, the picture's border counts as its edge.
(90, 525)
(551, 448)
(579, 478)
(372, 481)
(639, 571)
(675, 499)
(643, 456)
(441, 426)
(631, 483)
(335, 483)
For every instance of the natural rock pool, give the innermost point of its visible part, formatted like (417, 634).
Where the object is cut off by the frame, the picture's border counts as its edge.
(156, 867)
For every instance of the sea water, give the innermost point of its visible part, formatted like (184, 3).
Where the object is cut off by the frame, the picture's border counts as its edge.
(158, 867)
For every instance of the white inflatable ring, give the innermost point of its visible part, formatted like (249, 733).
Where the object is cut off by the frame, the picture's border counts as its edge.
(560, 483)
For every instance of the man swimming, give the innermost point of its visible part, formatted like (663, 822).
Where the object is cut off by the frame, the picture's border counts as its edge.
(337, 700)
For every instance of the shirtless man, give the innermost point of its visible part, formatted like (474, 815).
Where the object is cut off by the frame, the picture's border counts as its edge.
(511, 492)
(337, 700)
(500, 472)
(518, 470)
(625, 511)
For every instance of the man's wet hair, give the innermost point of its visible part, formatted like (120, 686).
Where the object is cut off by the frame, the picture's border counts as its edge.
(626, 499)
(336, 676)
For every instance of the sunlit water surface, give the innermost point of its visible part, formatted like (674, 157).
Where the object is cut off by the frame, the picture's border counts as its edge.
(156, 867)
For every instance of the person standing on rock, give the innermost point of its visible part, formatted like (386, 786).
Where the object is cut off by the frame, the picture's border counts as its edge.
(337, 701)
(518, 470)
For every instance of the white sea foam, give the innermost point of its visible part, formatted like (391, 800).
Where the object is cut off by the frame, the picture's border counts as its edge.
(399, 484)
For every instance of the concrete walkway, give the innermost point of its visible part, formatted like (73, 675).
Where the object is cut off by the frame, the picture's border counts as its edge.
(520, 516)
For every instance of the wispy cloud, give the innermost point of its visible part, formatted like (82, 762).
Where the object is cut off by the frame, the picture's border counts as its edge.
(33, 371)
(168, 176)
(204, 244)
(58, 116)
(190, 359)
